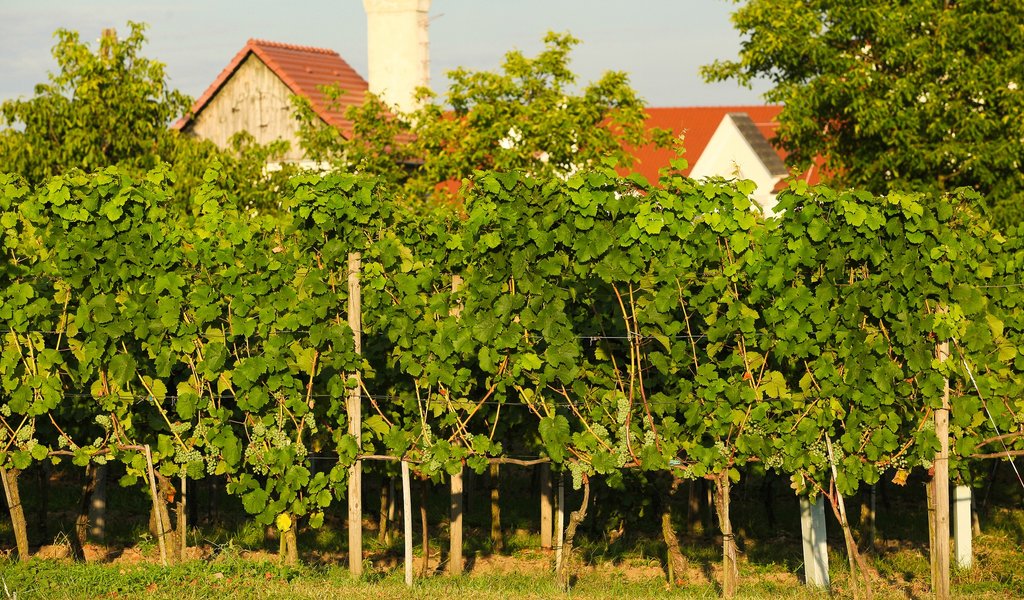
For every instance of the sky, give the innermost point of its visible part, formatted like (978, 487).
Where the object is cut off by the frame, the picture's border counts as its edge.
(661, 44)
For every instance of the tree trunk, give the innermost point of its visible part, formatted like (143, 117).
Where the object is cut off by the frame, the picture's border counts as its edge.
(858, 567)
(166, 495)
(18, 523)
(289, 545)
(81, 535)
(867, 519)
(693, 521)
(708, 522)
(730, 563)
(497, 537)
(975, 522)
(565, 573)
(768, 498)
(383, 517)
(675, 561)
(43, 509)
(98, 506)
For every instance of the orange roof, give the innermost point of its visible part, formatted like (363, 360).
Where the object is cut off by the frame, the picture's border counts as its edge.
(303, 69)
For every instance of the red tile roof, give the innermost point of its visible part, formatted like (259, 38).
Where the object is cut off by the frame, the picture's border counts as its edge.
(303, 69)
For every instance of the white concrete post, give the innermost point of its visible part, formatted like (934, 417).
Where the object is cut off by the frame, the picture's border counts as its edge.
(962, 526)
(812, 532)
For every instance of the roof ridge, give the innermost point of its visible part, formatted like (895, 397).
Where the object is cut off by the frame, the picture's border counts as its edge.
(712, 106)
(273, 44)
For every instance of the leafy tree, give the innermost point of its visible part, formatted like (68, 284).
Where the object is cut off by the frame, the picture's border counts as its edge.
(527, 116)
(100, 108)
(918, 95)
(112, 106)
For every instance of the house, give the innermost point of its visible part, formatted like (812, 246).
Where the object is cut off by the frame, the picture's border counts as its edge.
(723, 141)
(253, 93)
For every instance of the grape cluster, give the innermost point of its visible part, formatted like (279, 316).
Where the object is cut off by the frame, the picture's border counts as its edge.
(309, 422)
(188, 455)
(817, 452)
(211, 465)
(576, 469)
(5, 410)
(622, 407)
(722, 450)
(255, 455)
(622, 450)
(773, 461)
(25, 433)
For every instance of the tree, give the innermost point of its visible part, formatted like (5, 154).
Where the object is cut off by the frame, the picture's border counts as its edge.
(919, 95)
(112, 106)
(100, 108)
(527, 117)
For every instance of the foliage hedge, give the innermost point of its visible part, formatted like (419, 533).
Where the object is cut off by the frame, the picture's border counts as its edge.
(601, 322)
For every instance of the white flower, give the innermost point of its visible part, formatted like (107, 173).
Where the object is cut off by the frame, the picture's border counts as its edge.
(923, 98)
(1011, 86)
(509, 141)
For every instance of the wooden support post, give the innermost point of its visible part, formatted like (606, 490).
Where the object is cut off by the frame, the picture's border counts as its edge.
(160, 533)
(182, 515)
(812, 532)
(354, 411)
(940, 492)
(455, 516)
(455, 527)
(962, 527)
(545, 506)
(559, 522)
(407, 522)
(13, 496)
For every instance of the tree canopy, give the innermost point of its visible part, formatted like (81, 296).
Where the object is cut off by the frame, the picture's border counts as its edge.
(112, 106)
(108, 107)
(918, 95)
(529, 116)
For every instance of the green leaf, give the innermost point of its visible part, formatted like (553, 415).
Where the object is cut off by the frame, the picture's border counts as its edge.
(554, 432)
(255, 502)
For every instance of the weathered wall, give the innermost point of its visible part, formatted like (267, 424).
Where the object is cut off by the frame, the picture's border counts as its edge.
(254, 99)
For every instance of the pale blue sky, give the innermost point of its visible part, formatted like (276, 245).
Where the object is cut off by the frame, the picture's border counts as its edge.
(660, 43)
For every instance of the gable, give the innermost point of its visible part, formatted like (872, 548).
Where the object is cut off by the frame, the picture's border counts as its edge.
(253, 99)
(303, 70)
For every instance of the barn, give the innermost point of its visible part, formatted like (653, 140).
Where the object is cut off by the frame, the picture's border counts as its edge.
(254, 93)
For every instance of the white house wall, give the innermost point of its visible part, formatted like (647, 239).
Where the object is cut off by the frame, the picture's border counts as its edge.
(729, 155)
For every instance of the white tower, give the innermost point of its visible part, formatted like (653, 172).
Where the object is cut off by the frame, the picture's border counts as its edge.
(398, 52)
